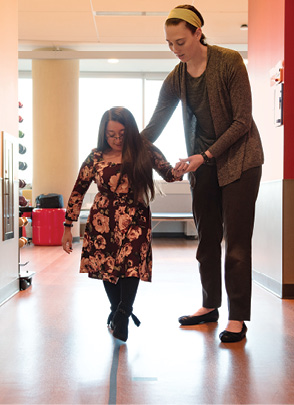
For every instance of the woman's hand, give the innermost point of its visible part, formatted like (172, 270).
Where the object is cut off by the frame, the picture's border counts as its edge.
(190, 164)
(67, 240)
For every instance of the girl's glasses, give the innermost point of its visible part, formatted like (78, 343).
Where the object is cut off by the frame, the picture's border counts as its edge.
(111, 135)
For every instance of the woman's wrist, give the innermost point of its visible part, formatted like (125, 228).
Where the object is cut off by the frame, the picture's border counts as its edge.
(207, 156)
(206, 159)
(207, 153)
(67, 224)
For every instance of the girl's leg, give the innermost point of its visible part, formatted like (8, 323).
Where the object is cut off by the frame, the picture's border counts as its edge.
(120, 321)
(128, 291)
(113, 292)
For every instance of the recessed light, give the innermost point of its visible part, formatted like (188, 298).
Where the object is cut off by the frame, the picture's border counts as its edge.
(113, 60)
(244, 27)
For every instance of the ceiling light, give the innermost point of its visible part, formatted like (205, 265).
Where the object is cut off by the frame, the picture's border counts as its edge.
(244, 27)
(113, 60)
(131, 13)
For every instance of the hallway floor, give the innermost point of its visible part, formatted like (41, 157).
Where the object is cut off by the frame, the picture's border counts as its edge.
(55, 347)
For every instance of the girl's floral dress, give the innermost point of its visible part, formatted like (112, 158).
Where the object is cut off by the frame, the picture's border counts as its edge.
(117, 239)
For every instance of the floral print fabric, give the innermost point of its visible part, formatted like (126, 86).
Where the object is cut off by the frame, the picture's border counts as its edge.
(117, 239)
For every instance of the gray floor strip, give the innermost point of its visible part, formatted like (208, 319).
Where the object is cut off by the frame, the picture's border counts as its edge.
(113, 373)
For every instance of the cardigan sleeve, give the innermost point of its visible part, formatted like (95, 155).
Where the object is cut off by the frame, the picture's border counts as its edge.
(166, 105)
(161, 165)
(234, 105)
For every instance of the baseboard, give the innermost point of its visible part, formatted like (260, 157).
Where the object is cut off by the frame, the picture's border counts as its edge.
(284, 291)
(288, 291)
(9, 291)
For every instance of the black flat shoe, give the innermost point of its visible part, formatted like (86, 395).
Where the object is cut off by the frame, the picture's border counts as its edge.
(230, 337)
(195, 320)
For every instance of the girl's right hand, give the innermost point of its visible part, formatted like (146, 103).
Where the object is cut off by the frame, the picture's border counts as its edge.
(192, 163)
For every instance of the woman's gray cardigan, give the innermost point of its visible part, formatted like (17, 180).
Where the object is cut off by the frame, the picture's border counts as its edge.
(238, 146)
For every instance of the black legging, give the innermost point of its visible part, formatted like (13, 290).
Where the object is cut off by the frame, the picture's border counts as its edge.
(123, 293)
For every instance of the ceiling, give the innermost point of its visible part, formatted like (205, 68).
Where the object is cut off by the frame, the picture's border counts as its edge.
(104, 29)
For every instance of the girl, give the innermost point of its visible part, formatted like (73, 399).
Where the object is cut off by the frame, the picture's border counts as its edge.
(117, 240)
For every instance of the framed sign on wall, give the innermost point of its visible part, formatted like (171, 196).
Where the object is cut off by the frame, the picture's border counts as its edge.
(7, 174)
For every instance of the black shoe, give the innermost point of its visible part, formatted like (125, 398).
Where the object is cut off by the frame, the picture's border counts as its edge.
(109, 319)
(230, 337)
(119, 322)
(119, 325)
(137, 322)
(212, 316)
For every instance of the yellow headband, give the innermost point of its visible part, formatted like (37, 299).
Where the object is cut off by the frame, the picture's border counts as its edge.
(186, 15)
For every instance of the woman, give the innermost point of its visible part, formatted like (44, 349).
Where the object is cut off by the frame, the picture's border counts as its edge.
(117, 240)
(225, 158)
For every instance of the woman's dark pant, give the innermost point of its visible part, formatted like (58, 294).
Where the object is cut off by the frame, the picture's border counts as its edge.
(225, 212)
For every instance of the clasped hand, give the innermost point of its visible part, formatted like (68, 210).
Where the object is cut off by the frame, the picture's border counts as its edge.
(190, 164)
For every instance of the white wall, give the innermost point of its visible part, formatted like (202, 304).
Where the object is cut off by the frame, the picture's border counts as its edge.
(9, 123)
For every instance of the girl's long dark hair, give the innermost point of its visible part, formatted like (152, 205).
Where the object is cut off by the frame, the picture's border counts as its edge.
(136, 159)
(192, 28)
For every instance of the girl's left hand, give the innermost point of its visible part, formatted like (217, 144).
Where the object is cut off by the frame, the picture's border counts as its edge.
(180, 169)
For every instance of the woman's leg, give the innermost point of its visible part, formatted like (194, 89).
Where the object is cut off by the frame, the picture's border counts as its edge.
(207, 210)
(239, 200)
